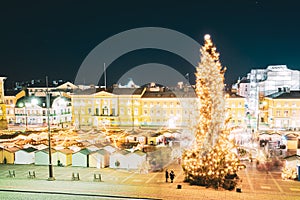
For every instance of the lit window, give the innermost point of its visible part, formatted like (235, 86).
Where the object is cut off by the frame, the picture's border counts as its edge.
(286, 104)
(294, 113)
(278, 105)
(278, 113)
(136, 111)
(105, 110)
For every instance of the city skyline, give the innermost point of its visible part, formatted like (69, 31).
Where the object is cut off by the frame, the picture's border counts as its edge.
(53, 39)
(201, 137)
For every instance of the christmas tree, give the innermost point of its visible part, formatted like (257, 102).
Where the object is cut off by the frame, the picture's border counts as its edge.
(212, 161)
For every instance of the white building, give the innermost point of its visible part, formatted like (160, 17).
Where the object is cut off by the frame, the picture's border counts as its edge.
(99, 158)
(25, 156)
(269, 81)
(32, 110)
(264, 82)
(81, 158)
(127, 160)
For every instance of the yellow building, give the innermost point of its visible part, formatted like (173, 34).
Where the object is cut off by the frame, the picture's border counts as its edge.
(172, 108)
(235, 105)
(10, 100)
(146, 107)
(283, 110)
(88, 106)
(2, 112)
(63, 157)
(8, 155)
(135, 107)
(98, 108)
(129, 106)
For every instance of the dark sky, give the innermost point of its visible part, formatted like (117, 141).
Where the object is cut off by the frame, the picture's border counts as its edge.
(39, 39)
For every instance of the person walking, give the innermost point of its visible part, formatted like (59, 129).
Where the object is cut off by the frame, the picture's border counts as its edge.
(172, 176)
(167, 175)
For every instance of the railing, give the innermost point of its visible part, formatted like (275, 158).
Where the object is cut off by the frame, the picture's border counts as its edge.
(29, 115)
(20, 114)
(65, 113)
(102, 115)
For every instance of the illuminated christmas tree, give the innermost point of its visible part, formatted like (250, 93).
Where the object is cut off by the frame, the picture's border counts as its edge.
(212, 162)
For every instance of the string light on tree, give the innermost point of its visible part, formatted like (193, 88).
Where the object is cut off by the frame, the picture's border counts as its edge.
(212, 161)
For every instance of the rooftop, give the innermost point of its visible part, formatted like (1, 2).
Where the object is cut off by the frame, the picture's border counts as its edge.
(285, 95)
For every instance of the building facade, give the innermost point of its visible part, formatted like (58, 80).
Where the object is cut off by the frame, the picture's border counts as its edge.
(155, 106)
(282, 110)
(33, 111)
(172, 108)
(268, 81)
(263, 82)
(135, 107)
(28, 107)
(235, 105)
(10, 100)
(94, 109)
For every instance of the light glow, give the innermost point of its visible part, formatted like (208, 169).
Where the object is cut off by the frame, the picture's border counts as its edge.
(212, 161)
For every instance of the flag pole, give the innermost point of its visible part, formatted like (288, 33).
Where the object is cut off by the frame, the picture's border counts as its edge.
(104, 76)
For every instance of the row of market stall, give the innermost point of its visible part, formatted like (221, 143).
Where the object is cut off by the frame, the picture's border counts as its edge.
(107, 156)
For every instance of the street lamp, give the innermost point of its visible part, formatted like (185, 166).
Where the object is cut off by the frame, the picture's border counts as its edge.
(34, 101)
(51, 177)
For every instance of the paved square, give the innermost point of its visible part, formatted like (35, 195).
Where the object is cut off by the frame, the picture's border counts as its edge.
(122, 184)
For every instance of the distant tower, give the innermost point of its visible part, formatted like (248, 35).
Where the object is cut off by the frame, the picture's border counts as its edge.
(2, 79)
(3, 121)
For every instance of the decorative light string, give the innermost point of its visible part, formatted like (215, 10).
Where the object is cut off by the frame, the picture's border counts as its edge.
(212, 160)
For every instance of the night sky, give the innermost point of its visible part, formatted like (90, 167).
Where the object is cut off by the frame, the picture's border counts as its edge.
(39, 39)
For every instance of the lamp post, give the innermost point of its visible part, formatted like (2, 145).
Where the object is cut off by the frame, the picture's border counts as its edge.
(47, 93)
(51, 177)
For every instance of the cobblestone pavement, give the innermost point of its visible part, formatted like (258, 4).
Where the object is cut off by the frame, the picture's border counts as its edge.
(123, 184)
